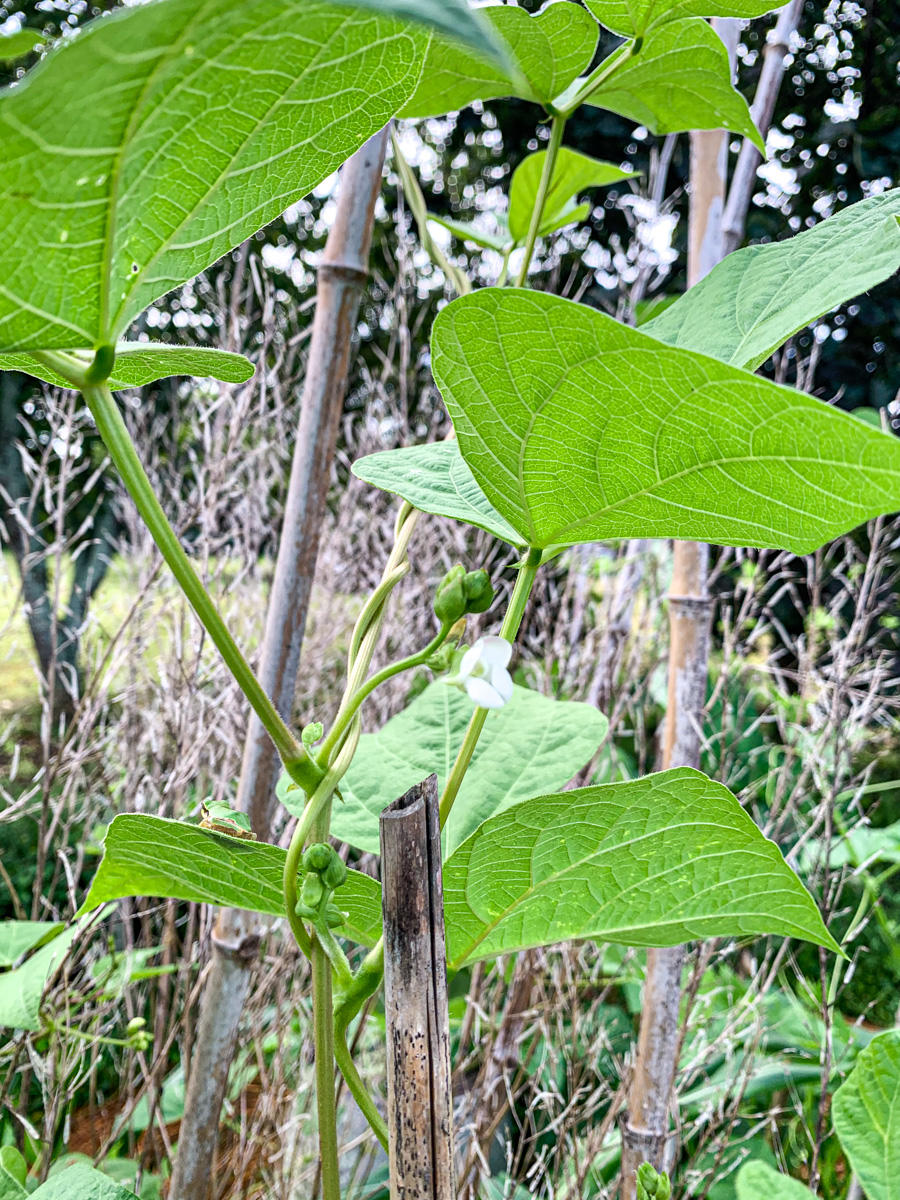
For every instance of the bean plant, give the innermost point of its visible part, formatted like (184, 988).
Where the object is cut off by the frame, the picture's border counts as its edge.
(152, 143)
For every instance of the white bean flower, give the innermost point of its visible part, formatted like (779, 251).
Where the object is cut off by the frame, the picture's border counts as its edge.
(482, 672)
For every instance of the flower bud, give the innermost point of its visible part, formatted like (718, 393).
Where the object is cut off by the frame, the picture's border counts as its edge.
(450, 597)
(652, 1185)
(135, 1025)
(479, 593)
(317, 856)
(335, 874)
(461, 592)
(311, 733)
(311, 891)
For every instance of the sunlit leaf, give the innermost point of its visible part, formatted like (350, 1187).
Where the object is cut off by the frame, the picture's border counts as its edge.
(550, 49)
(866, 1112)
(631, 17)
(13, 1174)
(578, 428)
(653, 862)
(140, 363)
(548, 741)
(261, 98)
(436, 479)
(573, 173)
(151, 856)
(758, 297)
(679, 79)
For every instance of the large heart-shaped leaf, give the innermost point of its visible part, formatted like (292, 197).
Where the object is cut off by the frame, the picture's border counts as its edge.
(758, 297)
(572, 174)
(578, 428)
(531, 743)
(631, 17)
(18, 937)
(549, 50)
(679, 79)
(140, 363)
(151, 856)
(654, 862)
(436, 479)
(866, 1114)
(206, 119)
(756, 1180)
(21, 989)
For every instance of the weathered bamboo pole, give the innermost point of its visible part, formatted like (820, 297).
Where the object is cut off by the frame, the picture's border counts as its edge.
(420, 1110)
(645, 1127)
(235, 939)
(716, 228)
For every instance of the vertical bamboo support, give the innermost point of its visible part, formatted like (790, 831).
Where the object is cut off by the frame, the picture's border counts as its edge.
(235, 940)
(645, 1127)
(420, 1110)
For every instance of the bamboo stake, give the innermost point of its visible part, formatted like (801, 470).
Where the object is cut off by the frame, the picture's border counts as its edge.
(235, 939)
(645, 1126)
(716, 228)
(420, 1111)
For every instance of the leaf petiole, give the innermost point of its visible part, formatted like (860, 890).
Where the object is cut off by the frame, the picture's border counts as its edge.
(303, 770)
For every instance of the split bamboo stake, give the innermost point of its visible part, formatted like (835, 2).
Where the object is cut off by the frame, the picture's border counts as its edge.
(420, 1110)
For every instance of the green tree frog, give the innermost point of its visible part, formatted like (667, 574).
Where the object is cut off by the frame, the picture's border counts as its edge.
(216, 815)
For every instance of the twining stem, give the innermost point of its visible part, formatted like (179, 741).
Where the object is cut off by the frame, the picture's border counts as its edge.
(369, 976)
(112, 429)
(311, 823)
(353, 1080)
(557, 129)
(509, 629)
(355, 701)
(315, 823)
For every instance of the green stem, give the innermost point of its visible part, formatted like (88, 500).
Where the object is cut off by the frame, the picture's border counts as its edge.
(504, 272)
(509, 630)
(354, 1083)
(302, 770)
(582, 89)
(352, 705)
(557, 129)
(371, 607)
(326, 1108)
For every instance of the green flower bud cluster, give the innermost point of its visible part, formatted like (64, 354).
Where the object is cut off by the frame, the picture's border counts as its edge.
(312, 733)
(651, 1184)
(137, 1035)
(461, 592)
(324, 872)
